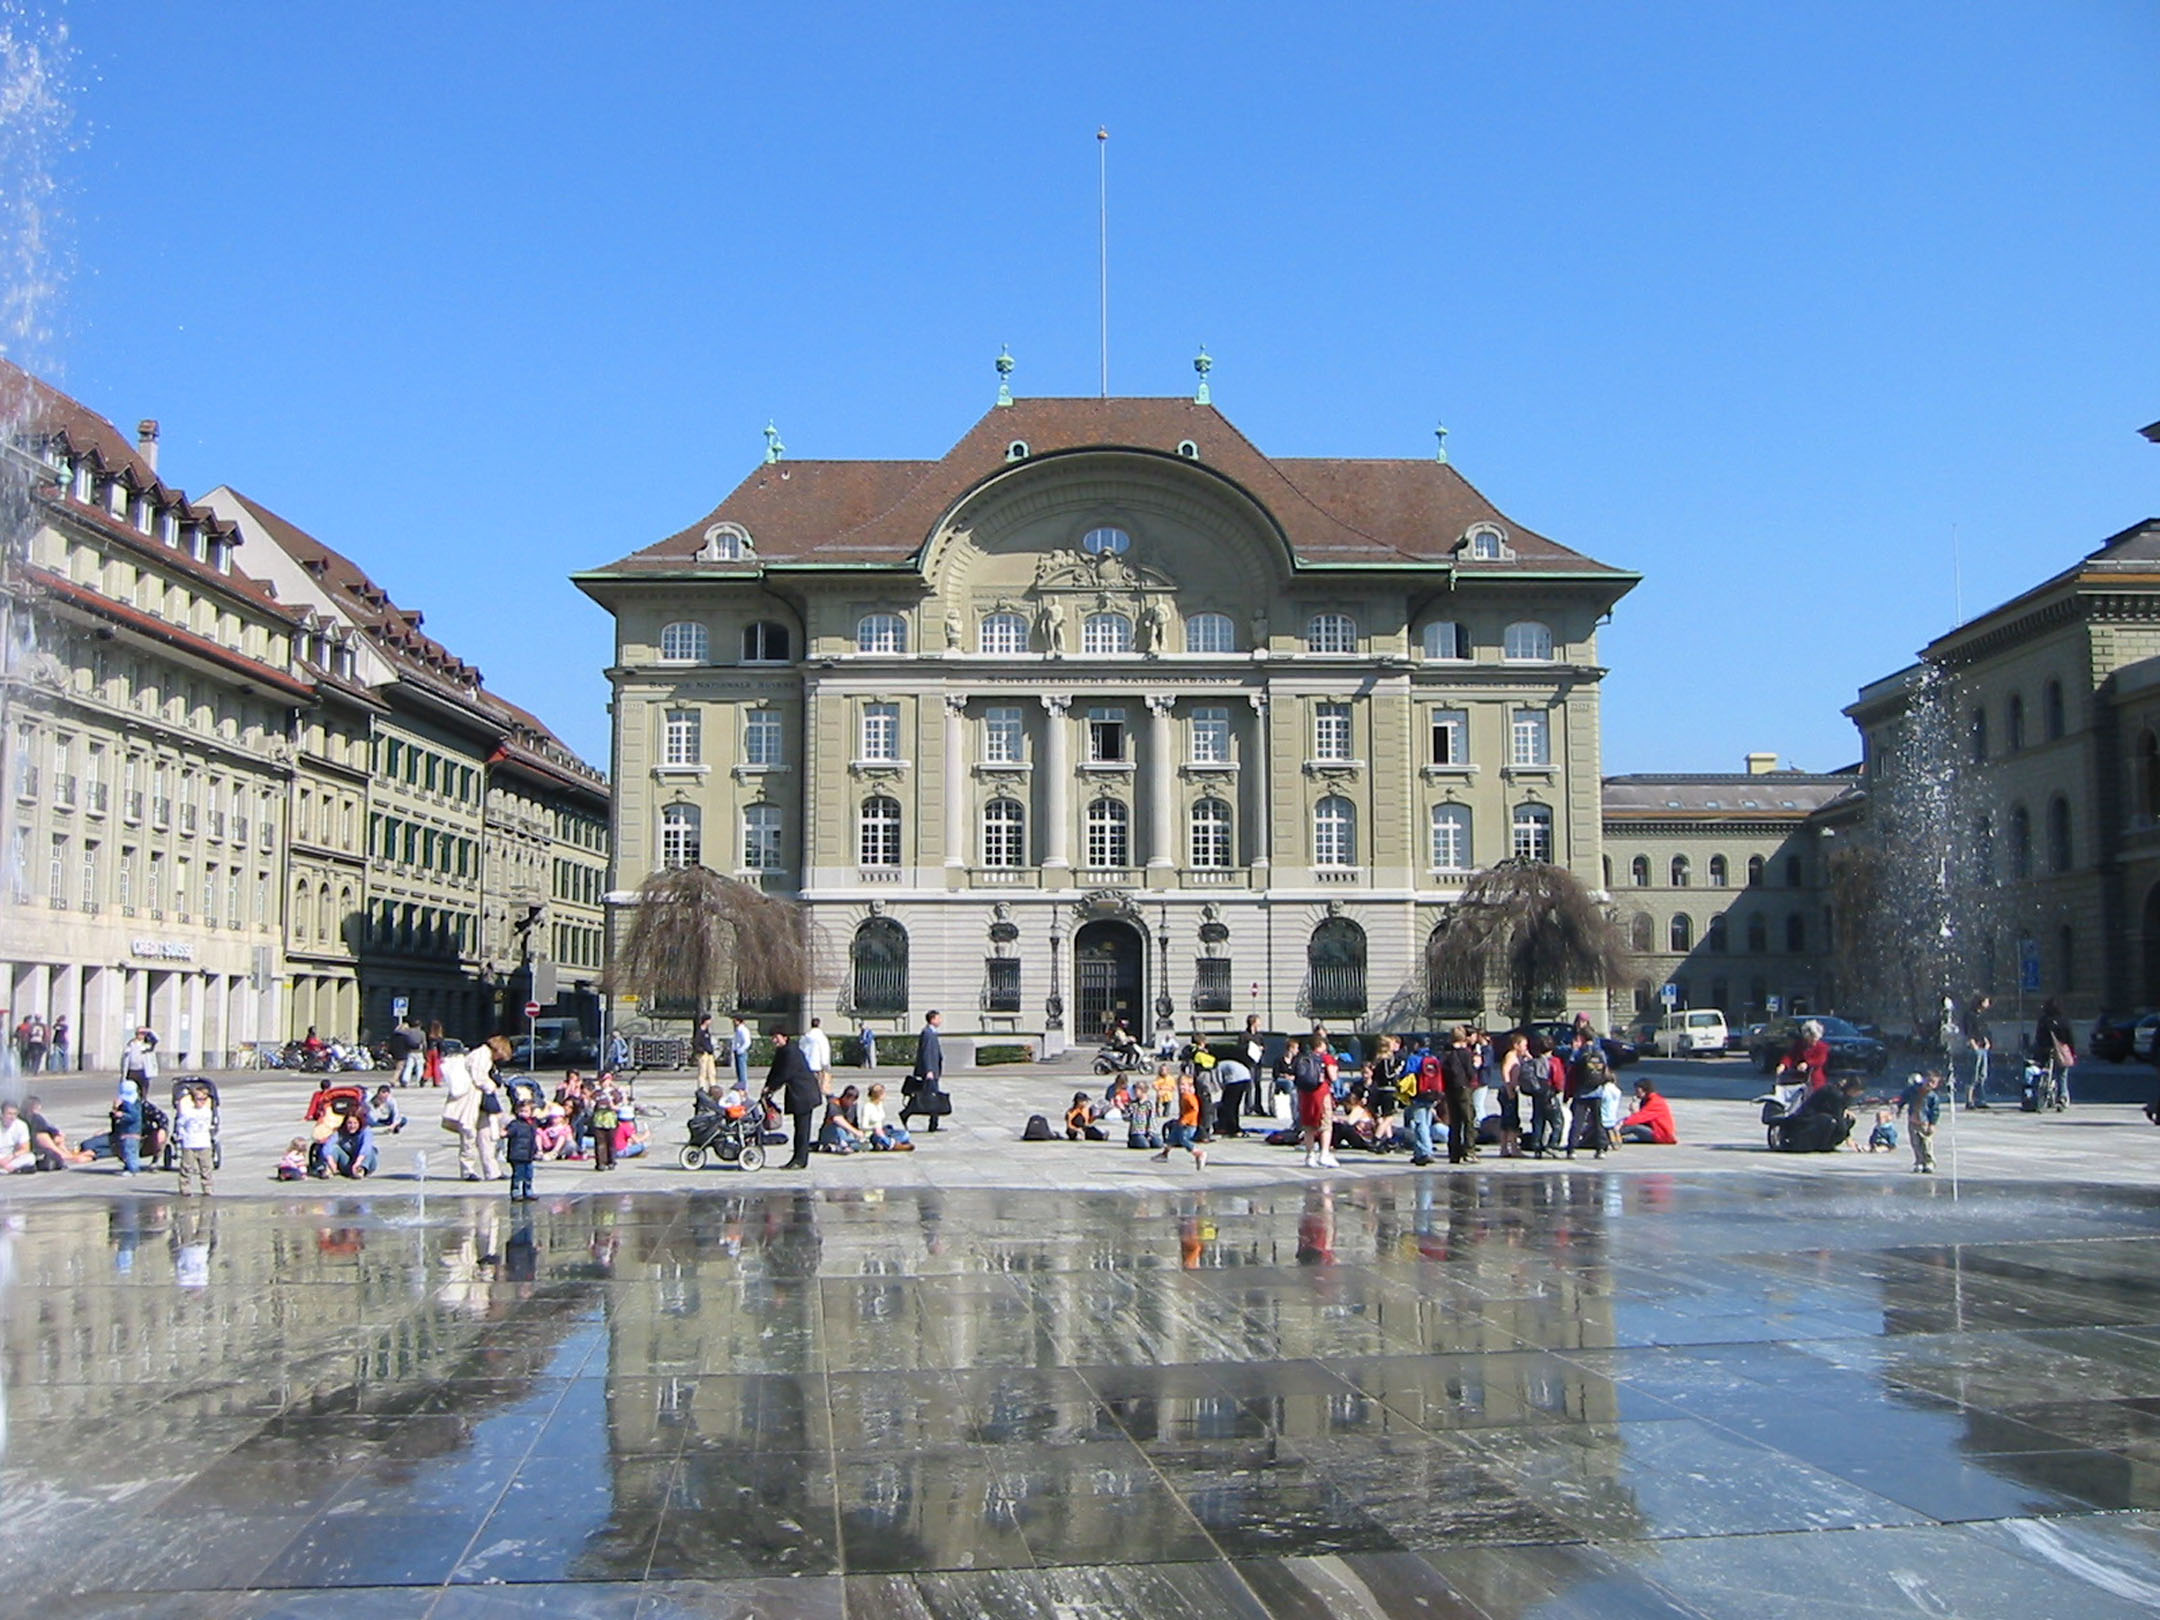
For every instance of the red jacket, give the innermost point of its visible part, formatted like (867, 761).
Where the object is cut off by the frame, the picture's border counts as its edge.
(1656, 1113)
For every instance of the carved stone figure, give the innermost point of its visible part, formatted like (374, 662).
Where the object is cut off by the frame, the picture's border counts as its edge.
(1050, 620)
(1155, 626)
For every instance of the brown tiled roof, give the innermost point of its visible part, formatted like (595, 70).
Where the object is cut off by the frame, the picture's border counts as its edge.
(1333, 510)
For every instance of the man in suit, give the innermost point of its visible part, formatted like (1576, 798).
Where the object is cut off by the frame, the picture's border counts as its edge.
(926, 1079)
(800, 1094)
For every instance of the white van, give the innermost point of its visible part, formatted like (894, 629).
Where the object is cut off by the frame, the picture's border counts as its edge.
(1697, 1032)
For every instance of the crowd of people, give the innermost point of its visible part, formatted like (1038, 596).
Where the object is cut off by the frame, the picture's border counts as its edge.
(1458, 1093)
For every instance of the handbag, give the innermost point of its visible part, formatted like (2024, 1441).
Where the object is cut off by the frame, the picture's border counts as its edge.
(491, 1101)
(936, 1104)
(2064, 1057)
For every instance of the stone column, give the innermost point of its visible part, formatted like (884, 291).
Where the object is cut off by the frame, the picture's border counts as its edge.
(1263, 830)
(1057, 784)
(1161, 783)
(955, 780)
(191, 1021)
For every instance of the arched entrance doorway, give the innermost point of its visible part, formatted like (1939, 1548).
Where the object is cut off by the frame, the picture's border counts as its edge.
(2149, 937)
(1109, 973)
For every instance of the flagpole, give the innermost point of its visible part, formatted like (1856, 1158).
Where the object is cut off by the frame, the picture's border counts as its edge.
(1102, 237)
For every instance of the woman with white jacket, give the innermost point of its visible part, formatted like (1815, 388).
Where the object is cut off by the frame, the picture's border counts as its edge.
(467, 1083)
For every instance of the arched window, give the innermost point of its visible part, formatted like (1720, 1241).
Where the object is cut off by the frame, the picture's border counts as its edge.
(1002, 633)
(1335, 969)
(1210, 633)
(2020, 842)
(1720, 993)
(1641, 934)
(1004, 833)
(1639, 871)
(761, 838)
(1334, 832)
(1758, 937)
(1681, 932)
(1979, 734)
(879, 958)
(2058, 834)
(1109, 835)
(878, 833)
(2148, 775)
(1680, 872)
(1446, 641)
(683, 642)
(1106, 633)
(1720, 873)
(1451, 838)
(2014, 722)
(881, 633)
(1796, 934)
(679, 835)
(1795, 872)
(1607, 858)
(1210, 833)
(1532, 828)
(1331, 633)
(1754, 871)
(1983, 849)
(765, 643)
(1527, 642)
(1714, 934)
(2051, 711)
(303, 923)
(2065, 959)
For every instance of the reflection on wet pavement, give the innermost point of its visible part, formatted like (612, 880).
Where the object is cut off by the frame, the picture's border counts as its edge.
(1434, 1397)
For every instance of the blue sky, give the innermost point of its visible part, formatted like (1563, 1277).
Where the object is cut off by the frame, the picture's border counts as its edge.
(1763, 302)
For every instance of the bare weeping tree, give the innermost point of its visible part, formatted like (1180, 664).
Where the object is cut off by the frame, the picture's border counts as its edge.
(1533, 928)
(695, 933)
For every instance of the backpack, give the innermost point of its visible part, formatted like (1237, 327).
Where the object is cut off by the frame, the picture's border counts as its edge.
(1429, 1082)
(1533, 1077)
(1037, 1129)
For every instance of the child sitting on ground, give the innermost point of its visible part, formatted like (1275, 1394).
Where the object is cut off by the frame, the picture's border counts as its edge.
(1080, 1123)
(1883, 1138)
(293, 1167)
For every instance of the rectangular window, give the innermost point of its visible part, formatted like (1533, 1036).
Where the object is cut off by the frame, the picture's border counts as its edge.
(90, 875)
(1331, 731)
(761, 737)
(1450, 737)
(1530, 738)
(1211, 736)
(232, 897)
(1004, 741)
(160, 797)
(1002, 993)
(685, 744)
(63, 763)
(19, 864)
(761, 838)
(1106, 735)
(56, 875)
(1211, 991)
(880, 731)
(157, 881)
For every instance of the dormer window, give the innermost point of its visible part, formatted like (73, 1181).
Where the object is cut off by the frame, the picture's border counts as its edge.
(725, 542)
(1485, 542)
(85, 481)
(1107, 541)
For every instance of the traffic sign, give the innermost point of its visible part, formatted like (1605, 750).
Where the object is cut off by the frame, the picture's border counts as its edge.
(532, 1009)
(2028, 964)
(1669, 994)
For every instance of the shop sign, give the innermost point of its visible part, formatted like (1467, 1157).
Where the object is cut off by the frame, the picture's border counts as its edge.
(164, 950)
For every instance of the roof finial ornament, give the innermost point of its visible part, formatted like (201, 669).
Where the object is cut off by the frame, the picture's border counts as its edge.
(1004, 371)
(1203, 365)
(1440, 433)
(774, 449)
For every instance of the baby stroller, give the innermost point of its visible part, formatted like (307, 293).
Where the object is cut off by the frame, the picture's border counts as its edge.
(217, 1142)
(525, 1089)
(728, 1132)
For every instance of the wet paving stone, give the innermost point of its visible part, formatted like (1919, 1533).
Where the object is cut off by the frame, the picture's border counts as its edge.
(1691, 1396)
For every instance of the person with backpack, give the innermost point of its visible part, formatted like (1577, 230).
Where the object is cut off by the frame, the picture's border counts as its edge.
(1428, 1091)
(1315, 1105)
(1534, 1079)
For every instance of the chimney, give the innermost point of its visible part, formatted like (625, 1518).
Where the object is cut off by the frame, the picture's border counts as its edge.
(1761, 764)
(146, 440)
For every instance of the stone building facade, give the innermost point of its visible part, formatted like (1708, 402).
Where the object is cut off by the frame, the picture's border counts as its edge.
(2041, 720)
(1106, 713)
(241, 795)
(1722, 884)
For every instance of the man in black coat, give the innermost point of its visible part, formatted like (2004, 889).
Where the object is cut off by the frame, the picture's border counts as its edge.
(1458, 1075)
(800, 1094)
(926, 1080)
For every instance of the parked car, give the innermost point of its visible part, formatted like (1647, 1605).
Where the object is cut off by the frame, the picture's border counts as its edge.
(1850, 1051)
(1692, 1032)
(1619, 1053)
(2122, 1040)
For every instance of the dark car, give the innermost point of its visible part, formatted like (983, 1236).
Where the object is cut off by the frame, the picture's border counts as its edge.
(1618, 1053)
(1850, 1051)
(2122, 1040)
